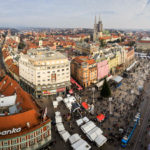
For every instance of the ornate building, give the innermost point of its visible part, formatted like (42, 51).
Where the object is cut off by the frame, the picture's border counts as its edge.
(98, 29)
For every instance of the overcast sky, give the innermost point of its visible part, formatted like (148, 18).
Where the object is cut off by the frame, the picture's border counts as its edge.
(75, 13)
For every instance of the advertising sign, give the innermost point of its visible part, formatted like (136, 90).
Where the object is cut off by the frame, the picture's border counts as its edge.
(12, 131)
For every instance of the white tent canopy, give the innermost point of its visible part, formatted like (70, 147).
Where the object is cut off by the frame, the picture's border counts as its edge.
(74, 138)
(117, 79)
(81, 145)
(88, 126)
(79, 121)
(65, 135)
(92, 134)
(60, 127)
(58, 119)
(100, 140)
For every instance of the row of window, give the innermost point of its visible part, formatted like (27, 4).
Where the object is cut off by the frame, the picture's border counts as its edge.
(25, 140)
(53, 71)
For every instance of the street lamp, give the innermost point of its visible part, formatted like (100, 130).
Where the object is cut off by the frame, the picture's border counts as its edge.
(110, 100)
(93, 89)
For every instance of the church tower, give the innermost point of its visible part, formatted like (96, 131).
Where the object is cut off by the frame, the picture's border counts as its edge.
(98, 29)
(95, 31)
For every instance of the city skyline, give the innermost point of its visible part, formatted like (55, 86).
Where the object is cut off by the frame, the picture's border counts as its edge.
(75, 14)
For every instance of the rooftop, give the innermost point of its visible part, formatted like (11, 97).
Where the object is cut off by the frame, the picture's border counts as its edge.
(44, 54)
(29, 112)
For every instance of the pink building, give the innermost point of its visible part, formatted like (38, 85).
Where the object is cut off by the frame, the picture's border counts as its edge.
(102, 69)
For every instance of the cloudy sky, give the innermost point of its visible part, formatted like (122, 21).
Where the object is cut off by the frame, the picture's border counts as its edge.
(75, 13)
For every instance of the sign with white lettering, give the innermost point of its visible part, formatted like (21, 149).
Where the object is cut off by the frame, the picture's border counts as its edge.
(14, 130)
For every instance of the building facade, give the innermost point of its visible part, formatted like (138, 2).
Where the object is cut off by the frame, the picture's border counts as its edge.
(84, 70)
(44, 72)
(86, 48)
(143, 44)
(102, 69)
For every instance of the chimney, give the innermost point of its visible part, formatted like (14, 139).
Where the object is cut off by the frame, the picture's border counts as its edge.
(28, 124)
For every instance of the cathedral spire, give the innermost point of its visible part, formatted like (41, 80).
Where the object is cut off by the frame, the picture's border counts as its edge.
(99, 18)
(95, 19)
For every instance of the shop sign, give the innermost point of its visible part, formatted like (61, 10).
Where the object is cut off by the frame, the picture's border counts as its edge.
(61, 90)
(46, 92)
(12, 131)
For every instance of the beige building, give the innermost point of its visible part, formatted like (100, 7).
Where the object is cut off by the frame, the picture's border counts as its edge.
(88, 49)
(44, 72)
(143, 44)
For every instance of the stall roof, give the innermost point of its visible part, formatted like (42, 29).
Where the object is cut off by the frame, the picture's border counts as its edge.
(117, 79)
(60, 127)
(81, 145)
(100, 117)
(100, 140)
(65, 135)
(92, 134)
(74, 138)
(85, 105)
(88, 126)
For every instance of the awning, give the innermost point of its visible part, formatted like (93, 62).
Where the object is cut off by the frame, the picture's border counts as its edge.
(85, 105)
(117, 79)
(100, 117)
(99, 84)
(131, 66)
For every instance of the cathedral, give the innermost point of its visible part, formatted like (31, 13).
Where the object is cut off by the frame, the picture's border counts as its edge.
(98, 29)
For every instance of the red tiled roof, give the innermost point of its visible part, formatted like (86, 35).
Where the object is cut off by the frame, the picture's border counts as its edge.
(86, 59)
(29, 112)
(144, 41)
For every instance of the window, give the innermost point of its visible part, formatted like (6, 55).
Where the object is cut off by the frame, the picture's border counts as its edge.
(62, 73)
(48, 67)
(31, 142)
(14, 141)
(5, 143)
(58, 70)
(32, 136)
(67, 69)
(38, 132)
(62, 69)
(39, 138)
(43, 80)
(38, 76)
(53, 67)
(14, 147)
(48, 80)
(45, 134)
(23, 145)
(23, 139)
(48, 71)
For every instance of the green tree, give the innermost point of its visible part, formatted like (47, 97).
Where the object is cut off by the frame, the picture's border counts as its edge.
(102, 43)
(21, 45)
(105, 92)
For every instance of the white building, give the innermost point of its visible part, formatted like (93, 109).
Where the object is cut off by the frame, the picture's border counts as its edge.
(44, 72)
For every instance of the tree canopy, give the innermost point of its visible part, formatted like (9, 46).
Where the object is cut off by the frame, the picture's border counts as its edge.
(105, 92)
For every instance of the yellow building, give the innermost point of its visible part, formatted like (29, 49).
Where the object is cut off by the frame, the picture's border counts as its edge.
(112, 63)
